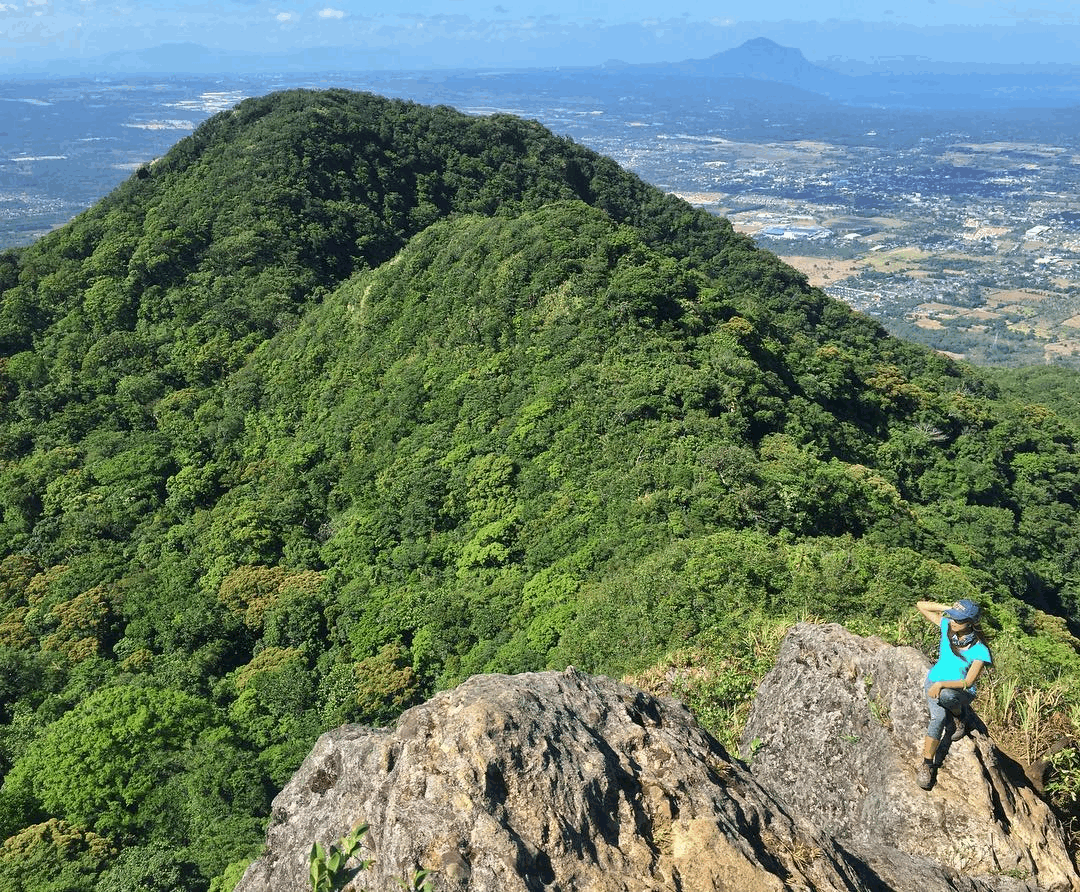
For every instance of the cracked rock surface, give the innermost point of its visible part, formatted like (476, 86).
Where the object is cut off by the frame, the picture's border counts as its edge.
(564, 781)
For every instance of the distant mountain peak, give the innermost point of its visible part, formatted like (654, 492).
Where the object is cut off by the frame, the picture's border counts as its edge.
(760, 51)
(765, 59)
(764, 44)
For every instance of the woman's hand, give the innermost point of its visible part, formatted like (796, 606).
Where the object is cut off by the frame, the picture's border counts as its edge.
(934, 690)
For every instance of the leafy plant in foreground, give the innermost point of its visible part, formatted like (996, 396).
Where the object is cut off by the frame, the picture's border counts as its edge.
(327, 874)
(327, 867)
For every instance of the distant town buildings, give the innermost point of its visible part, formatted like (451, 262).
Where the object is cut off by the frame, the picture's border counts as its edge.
(797, 233)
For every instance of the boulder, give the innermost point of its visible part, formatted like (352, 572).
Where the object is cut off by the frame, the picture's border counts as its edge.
(836, 732)
(563, 781)
(544, 781)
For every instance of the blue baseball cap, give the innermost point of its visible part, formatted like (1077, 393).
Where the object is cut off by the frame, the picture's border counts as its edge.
(963, 611)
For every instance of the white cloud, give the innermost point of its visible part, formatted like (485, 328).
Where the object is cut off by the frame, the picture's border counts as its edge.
(5, 7)
(36, 2)
(329, 13)
(285, 16)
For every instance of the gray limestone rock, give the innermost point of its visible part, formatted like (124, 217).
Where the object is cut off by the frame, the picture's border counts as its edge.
(836, 732)
(562, 781)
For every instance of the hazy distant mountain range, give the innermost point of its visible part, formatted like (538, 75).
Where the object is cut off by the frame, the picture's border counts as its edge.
(193, 58)
(902, 84)
(899, 83)
(905, 84)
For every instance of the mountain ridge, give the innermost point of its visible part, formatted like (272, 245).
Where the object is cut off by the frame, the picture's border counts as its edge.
(346, 399)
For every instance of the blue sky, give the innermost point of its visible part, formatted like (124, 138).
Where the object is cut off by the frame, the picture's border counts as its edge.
(480, 33)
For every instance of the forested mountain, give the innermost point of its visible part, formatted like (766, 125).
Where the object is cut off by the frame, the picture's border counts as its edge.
(345, 399)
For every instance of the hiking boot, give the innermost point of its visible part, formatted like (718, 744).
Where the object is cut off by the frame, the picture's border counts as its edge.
(925, 777)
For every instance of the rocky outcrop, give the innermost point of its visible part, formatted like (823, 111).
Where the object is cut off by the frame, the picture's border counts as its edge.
(836, 732)
(554, 781)
(562, 781)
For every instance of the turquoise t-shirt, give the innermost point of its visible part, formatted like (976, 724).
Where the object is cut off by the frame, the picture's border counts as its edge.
(949, 666)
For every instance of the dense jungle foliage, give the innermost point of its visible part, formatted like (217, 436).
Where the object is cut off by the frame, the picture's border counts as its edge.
(345, 399)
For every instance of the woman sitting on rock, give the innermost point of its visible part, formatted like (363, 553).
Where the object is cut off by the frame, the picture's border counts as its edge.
(950, 684)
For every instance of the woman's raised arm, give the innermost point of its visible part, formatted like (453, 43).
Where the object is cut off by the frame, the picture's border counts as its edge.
(932, 610)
